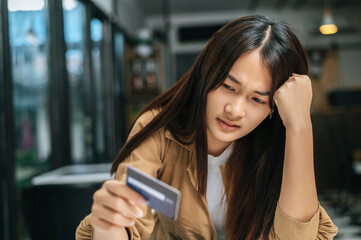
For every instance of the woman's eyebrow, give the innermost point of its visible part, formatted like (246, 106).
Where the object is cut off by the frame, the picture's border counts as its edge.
(233, 79)
(262, 93)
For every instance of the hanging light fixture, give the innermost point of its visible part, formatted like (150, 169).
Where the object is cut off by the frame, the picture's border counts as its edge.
(328, 25)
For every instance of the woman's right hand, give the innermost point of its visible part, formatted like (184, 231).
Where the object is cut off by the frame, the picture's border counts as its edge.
(115, 206)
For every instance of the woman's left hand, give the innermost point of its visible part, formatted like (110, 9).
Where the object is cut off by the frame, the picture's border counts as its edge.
(293, 100)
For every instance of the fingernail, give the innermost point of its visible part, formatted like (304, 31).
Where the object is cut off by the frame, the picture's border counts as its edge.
(140, 213)
(142, 202)
(132, 223)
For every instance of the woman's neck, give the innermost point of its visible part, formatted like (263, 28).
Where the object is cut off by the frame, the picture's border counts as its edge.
(216, 148)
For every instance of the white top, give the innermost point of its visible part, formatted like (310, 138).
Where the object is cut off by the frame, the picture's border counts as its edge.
(215, 189)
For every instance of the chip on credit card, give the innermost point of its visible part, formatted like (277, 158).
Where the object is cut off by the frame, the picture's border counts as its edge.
(160, 196)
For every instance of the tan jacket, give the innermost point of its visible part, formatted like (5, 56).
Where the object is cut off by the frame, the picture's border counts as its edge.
(163, 157)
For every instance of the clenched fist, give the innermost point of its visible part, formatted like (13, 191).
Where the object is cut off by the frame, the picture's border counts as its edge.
(293, 100)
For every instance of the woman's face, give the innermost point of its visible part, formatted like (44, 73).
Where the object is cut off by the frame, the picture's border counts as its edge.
(240, 104)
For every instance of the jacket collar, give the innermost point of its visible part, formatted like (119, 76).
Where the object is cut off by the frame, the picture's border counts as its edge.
(170, 136)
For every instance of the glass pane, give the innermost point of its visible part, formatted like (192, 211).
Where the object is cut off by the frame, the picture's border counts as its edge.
(29, 44)
(80, 115)
(119, 60)
(119, 111)
(96, 32)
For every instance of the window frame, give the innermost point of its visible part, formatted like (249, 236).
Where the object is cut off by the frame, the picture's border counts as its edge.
(8, 205)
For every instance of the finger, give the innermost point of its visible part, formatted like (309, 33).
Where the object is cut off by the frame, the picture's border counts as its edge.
(277, 93)
(275, 100)
(114, 218)
(290, 79)
(121, 190)
(121, 205)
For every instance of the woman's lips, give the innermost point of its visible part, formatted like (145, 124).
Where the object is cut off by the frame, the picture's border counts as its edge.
(227, 126)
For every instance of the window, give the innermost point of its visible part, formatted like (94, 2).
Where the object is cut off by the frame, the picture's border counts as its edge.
(96, 32)
(29, 44)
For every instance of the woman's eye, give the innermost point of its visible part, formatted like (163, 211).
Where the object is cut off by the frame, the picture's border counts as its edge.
(258, 100)
(228, 87)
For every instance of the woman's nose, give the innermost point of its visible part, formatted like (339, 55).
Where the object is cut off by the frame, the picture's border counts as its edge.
(236, 109)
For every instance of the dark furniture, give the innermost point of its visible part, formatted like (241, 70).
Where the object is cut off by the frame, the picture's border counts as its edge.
(55, 211)
(346, 139)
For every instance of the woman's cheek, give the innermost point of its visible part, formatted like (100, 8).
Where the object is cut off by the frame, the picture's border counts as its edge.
(257, 115)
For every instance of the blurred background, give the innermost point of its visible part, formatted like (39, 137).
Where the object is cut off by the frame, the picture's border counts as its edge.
(75, 73)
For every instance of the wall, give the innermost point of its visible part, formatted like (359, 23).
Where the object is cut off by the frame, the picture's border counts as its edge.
(127, 13)
(130, 16)
(104, 5)
(306, 22)
(350, 66)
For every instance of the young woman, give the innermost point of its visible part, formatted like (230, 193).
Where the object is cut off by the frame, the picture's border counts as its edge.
(234, 135)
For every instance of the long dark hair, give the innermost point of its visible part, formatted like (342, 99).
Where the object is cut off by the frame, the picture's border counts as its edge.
(254, 170)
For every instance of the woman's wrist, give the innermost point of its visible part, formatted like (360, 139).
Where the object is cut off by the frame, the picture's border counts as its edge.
(299, 125)
(111, 235)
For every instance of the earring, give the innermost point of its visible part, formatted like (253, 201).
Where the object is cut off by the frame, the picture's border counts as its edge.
(270, 114)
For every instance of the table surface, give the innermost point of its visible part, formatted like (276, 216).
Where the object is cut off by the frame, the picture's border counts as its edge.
(73, 174)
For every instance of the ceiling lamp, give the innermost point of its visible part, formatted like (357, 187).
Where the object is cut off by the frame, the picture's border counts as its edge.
(328, 26)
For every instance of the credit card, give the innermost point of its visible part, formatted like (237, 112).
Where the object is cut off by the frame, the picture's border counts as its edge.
(160, 196)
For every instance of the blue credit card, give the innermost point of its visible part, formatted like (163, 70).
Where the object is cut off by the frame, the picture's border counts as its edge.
(160, 196)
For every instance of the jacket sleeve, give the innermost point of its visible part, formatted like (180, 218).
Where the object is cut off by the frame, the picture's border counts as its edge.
(84, 230)
(320, 227)
(147, 157)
